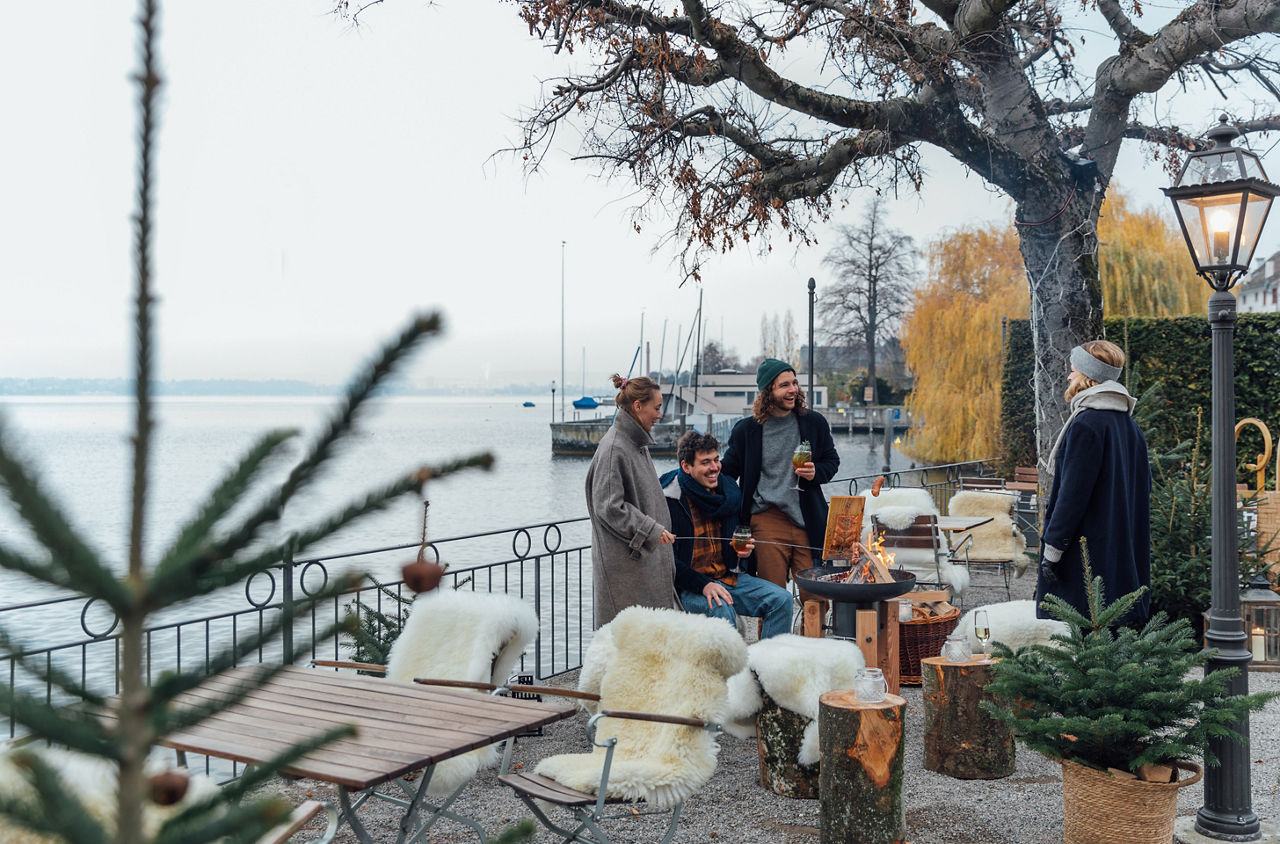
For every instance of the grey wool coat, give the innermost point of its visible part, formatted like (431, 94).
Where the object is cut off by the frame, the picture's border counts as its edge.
(628, 515)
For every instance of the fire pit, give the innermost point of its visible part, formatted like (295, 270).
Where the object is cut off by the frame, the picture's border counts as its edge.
(828, 582)
(858, 613)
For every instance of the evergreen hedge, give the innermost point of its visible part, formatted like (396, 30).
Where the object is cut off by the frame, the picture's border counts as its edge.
(1017, 399)
(1175, 351)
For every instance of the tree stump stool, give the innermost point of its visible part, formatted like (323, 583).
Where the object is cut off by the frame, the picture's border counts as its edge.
(779, 733)
(961, 740)
(861, 769)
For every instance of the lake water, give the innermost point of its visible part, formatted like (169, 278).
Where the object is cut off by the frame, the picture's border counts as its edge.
(80, 447)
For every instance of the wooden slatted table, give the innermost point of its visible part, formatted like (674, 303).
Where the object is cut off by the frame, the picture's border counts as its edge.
(401, 727)
(961, 523)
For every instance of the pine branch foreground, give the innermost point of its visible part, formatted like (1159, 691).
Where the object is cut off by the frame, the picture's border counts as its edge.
(205, 556)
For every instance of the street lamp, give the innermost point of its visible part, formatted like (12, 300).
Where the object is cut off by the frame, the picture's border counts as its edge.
(1221, 199)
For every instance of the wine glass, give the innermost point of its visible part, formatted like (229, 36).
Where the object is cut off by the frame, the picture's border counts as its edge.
(981, 628)
(802, 455)
(741, 537)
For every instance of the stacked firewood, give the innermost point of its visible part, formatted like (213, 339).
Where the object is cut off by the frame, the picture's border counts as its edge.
(928, 603)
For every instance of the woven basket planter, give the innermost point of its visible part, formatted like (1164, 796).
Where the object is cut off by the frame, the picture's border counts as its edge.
(919, 639)
(1099, 808)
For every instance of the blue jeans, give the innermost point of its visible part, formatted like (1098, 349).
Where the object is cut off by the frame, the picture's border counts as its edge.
(753, 596)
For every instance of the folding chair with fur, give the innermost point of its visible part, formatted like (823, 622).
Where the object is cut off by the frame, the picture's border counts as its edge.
(908, 520)
(996, 545)
(455, 638)
(657, 682)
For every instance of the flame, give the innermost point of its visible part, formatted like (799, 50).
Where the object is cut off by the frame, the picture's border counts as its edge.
(864, 573)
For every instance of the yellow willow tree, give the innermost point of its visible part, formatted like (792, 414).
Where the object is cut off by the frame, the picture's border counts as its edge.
(1142, 262)
(952, 342)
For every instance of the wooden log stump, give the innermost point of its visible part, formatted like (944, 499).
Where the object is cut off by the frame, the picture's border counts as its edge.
(779, 733)
(961, 740)
(861, 763)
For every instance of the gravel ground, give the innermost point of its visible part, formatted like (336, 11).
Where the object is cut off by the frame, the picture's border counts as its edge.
(1025, 808)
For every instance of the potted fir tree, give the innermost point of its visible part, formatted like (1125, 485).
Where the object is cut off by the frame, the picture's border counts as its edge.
(1122, 710)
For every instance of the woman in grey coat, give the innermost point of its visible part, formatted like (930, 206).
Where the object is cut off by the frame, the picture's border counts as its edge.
(631, 555)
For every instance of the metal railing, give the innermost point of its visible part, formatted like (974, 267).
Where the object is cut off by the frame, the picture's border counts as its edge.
(942, 481)
(546, 564)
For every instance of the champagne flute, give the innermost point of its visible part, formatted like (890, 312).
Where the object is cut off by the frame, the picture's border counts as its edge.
(802, 455)
(981, 628)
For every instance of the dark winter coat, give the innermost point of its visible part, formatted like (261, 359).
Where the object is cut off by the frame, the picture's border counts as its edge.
(741, 462)
(1101, 492)
(689, 579)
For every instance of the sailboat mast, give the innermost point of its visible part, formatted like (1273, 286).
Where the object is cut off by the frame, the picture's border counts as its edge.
(563, 383)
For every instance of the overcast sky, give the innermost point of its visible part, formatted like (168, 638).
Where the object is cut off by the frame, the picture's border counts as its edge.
(318, 183)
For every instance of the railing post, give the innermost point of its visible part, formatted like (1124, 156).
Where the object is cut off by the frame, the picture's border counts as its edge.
(286, 602)
(537, 610)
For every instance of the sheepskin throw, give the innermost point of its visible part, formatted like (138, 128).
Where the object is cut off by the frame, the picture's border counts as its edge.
(998, 539)
(795, 671)
(663, 661)
(898, 507)
(1015, 624)
(93, 781)
(459, 635)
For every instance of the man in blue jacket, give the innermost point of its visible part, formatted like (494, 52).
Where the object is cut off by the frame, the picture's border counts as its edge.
(789, 524)
(710, 576)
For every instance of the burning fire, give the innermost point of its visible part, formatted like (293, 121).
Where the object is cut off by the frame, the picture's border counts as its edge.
(866, 572)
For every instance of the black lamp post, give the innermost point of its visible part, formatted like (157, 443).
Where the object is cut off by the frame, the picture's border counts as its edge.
(1222, 198)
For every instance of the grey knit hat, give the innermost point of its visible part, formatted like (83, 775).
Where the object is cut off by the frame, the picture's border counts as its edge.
(769, 369)
(1089, 366)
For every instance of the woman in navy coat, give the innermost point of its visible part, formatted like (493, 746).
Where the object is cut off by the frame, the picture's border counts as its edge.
(1101, 490)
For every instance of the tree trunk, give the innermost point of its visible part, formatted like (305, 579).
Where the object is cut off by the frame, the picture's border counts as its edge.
(960, 740)
(861, 769)
(1061, 257)
(779, 733)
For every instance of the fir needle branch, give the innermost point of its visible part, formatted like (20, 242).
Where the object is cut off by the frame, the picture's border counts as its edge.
(226, 823)
(73, 563)
(148, 82)
(54, 808)
(194, 825)
(339, 425)
(77, 729)
(170, 684)
(222, 499)
(45, 672)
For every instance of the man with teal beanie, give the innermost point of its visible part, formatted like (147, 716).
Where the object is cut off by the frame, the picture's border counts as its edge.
(788, 525)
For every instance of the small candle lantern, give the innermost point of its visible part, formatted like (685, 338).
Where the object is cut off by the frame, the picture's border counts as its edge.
(1260, 610)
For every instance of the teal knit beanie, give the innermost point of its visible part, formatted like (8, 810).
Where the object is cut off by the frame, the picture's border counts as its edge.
(769, 369)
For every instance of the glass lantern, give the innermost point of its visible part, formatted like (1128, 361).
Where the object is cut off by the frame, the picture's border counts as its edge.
(1222, 198)
(1260, 609)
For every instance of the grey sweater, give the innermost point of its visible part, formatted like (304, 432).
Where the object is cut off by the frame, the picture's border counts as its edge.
(780, 437)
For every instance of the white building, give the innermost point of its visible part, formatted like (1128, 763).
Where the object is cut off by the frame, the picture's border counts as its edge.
(735, 393)
(1259, 291)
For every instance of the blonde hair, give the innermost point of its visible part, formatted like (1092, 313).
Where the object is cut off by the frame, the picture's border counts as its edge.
(1105, 351)
(632, 390)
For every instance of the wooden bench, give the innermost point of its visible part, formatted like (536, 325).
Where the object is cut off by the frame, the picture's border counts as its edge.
(983, 484)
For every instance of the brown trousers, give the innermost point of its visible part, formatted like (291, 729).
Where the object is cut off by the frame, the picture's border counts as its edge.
(778, 563)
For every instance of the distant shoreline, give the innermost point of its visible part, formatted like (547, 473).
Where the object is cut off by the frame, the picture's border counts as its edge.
(233, 388)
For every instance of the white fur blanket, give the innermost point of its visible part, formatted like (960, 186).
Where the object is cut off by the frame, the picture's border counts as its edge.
(461, 635)
(93, 781)
(655, 660)
(1015, 624)
(898, 507)
(998, 539)
(795, 671)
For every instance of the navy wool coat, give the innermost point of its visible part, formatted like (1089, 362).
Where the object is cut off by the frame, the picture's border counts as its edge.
(742, 463)
(1101, 492)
